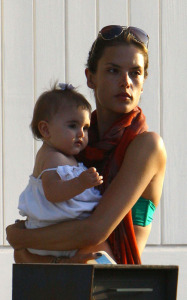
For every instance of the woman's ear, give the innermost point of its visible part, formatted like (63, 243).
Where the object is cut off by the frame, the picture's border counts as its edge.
(142, 86)
(90, 79)
(43, 128)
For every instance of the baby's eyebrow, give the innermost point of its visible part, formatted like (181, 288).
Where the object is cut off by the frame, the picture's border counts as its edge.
(72, 121)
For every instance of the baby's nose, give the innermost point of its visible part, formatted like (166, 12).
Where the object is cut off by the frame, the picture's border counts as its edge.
(81, 132)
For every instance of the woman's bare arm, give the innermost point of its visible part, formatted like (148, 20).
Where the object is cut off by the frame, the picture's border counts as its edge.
(24, 256)
(141, 173)
(142, 234)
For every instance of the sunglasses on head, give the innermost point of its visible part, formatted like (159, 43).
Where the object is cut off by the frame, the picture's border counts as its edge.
(113, 31)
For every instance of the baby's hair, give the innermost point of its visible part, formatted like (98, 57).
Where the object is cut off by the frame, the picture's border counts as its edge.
(51, 101)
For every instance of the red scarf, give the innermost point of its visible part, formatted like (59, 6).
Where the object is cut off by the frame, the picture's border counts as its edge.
(107, 156)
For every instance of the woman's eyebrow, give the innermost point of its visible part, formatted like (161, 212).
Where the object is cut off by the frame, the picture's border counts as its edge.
(113, 65)
(137, 67)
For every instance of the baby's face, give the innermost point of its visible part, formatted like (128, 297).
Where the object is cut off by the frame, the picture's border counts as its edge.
(68, 130)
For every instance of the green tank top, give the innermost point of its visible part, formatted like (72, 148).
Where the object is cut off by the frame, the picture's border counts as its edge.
(142, 212)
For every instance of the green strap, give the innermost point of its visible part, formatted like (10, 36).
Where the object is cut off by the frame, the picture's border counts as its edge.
(142, 212)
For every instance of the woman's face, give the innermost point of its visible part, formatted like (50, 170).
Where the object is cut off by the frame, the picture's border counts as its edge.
(118, 81)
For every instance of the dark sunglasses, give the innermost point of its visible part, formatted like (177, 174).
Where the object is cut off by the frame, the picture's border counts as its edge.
(113, 31)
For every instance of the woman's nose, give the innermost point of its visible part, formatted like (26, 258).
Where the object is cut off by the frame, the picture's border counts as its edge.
(125, 80)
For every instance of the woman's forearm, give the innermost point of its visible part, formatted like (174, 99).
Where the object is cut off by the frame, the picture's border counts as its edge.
(24, 256)
(62, 236)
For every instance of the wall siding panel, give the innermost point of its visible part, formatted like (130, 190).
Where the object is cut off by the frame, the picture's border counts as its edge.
(169, 256)
(49, 45)
(117, 14)
(1, 134)
(174, 68)
(6, 261)
(18, 102)
(80, 33)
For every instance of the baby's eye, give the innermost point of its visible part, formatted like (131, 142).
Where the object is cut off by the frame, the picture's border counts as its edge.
(72, 126)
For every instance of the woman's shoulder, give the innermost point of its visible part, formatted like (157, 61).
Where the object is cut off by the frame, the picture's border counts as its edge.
(149, 140)
(148, 144)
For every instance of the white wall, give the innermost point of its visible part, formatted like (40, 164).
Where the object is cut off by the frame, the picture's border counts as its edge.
(44, 40)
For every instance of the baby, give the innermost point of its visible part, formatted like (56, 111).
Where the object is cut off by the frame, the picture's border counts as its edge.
(60, 188)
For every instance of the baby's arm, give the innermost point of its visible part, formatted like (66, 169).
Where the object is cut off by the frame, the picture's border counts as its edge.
(57, 190)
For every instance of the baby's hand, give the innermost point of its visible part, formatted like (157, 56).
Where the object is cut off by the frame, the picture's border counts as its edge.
(90, 178)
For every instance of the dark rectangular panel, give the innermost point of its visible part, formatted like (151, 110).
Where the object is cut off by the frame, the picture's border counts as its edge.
(52, 282)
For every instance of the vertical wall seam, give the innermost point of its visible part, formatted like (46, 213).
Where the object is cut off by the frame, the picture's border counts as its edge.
(2, 118)
(65, 39)
(34, 67)
(34, 48)
(96, 18)
(160, 67)
(128, 12)
(161, 106)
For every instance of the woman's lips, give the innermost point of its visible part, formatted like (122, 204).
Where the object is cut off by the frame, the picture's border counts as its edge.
(124, 96)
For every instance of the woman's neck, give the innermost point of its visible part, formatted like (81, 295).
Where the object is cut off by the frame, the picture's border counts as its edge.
(105, 121)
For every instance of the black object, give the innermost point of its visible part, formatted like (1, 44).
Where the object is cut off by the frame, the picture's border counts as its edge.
(94, 282)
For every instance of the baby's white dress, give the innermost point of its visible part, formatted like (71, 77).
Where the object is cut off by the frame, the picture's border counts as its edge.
(40, 212)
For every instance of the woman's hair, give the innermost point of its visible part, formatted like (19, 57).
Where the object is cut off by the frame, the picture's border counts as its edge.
(100, 45)
(50, 102)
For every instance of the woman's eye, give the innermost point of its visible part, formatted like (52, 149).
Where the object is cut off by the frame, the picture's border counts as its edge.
(135, 73)
(113, 70)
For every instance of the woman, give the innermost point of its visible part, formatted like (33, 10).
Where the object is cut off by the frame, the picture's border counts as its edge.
(131, 159)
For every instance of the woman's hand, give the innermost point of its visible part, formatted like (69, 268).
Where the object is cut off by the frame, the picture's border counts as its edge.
(24, 256)
(12, 232)
(80, 258)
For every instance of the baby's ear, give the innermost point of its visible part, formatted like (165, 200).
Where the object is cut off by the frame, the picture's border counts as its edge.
(43, 128)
